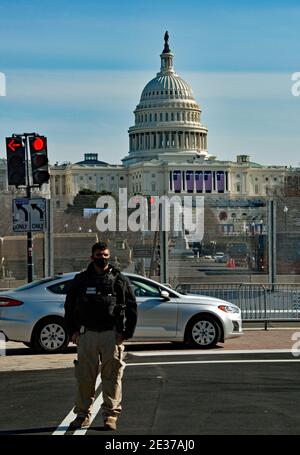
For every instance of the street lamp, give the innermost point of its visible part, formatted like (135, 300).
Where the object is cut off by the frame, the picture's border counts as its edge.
(79, 229)
(66, 227)
(285, 209)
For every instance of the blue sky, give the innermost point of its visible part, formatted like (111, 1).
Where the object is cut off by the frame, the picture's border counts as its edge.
(75, 72)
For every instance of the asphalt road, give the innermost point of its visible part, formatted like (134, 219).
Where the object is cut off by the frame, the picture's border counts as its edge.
(167, 393)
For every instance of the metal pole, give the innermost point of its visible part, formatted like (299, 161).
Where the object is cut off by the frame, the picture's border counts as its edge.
(164, 252)
(29, 233)
(47, 235)
(272, 241)
(51, 240)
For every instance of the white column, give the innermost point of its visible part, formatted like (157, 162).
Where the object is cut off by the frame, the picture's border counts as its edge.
(229, 181)
(176, 140)
(151, 140)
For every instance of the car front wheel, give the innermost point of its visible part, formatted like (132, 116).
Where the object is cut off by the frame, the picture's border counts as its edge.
(50, 335)
(203, 332)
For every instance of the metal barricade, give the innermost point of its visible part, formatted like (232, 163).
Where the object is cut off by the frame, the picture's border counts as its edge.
(258, 302)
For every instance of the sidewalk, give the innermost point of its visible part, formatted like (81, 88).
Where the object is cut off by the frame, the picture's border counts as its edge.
(18, 357)
(264, 339)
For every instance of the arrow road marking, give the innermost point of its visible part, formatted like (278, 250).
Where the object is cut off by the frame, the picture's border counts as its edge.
(36, 207)
(20, 207)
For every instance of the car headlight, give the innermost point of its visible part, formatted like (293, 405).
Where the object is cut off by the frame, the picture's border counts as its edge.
(229, 308)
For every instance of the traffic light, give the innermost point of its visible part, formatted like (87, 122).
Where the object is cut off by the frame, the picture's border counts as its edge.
(15, 152)
(39, 159)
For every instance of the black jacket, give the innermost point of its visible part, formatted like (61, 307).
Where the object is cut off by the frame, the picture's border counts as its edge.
(112, 283)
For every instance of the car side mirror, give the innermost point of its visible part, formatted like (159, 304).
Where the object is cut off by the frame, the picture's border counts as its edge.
(165, 295)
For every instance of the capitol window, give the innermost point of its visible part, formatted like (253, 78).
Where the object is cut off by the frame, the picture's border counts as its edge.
(160, 117)
(172, 116)
(167, 116)
(155, 117)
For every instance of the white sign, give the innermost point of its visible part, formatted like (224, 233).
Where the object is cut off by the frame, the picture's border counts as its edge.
(29, 214)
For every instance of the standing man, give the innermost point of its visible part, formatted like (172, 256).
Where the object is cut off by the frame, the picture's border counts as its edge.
(101, 312)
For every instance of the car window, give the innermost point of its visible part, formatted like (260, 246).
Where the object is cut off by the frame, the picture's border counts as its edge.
(35, 283)
(142, 289)
(60, 288)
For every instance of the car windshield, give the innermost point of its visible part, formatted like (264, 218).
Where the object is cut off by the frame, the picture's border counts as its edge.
(36, 283)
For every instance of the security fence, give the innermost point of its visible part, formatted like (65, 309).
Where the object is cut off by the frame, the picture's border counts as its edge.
(237, 245)
(258, 302)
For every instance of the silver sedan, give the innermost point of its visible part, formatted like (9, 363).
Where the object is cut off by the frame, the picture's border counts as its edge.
(34, 315)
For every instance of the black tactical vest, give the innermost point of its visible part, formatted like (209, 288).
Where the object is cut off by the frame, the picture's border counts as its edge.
(97, 302)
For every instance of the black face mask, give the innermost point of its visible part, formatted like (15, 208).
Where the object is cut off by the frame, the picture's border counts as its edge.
(101, 262)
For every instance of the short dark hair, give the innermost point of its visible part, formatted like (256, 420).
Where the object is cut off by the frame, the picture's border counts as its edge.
(99, 246)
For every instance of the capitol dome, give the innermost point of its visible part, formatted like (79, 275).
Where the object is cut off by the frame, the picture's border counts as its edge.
(169, 86)
(167, 118)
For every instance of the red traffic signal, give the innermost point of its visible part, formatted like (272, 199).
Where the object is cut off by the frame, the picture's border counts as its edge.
(15, 152)
(39, 143)
(39, 159)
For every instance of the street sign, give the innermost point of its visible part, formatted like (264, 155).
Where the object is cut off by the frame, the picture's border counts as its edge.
(29, 214)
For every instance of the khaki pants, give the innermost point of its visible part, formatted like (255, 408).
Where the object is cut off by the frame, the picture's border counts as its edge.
(91, 346)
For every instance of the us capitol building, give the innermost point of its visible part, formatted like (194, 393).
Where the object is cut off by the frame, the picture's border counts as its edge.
(168, 154)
